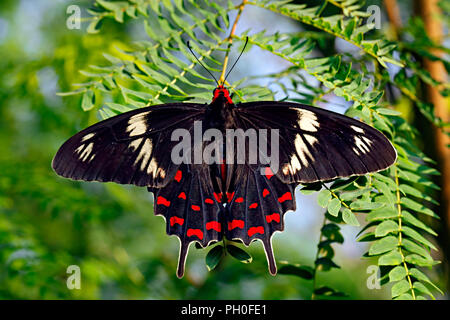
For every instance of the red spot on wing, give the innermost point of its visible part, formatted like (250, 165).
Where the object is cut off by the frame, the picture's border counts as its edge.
(218, 197)
(230, 196)
(195, 208)
(174, 220)
(268, 172)
(265, 192)
(213, 225)
(254, 230)
(239, 200)
(273, 217)
(253, 206)
(182, 196)
(209, 201)
(236, 224)
(285, 197)
(195, 232)
(178, 176)
(163, 201)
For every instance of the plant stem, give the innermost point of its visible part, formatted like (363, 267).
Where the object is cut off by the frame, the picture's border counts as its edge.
(230, 41)
(399, 210)
(313, 295)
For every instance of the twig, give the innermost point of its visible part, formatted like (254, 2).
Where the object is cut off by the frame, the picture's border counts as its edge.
(230, 41)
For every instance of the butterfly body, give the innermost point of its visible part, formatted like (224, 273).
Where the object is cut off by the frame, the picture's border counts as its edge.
(237, 199)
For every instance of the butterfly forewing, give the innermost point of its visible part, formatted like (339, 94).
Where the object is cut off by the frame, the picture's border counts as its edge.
(129, 149)
(319, 145)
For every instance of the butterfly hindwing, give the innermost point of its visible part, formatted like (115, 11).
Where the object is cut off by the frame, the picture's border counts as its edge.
(257, 207)
(190, 209)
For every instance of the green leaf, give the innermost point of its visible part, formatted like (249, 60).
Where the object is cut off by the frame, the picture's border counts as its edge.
(417, 260)
(414, 272)
(383, 245)
(311, 188)
(331, 232)
(334, 206)
(385, 228)
(349, 217)
(397, 274)
(413, 205)
(325, 264)
(327, 291)
(413, 234)
(361, 205)
(392, 258)
(388, 112)
(323, 198)
(95, 25)
(421, 288)
(399, 288)
(239, 254)
(415, 248)
(304, 272)
(410, 219)
(88, 101)
(213, 257)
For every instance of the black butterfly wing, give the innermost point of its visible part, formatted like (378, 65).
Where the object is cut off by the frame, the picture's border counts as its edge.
(191, 209)
(257, 207)
(131, 148)
(319, 145)
(313, 145)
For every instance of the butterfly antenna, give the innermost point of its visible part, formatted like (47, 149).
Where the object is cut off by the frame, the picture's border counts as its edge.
(190, 49)
(246, 41)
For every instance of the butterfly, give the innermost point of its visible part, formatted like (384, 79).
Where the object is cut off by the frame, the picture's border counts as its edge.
(207, 202)
(205, 199)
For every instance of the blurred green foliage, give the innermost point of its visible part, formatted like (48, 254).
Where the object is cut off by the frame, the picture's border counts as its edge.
(48, 223)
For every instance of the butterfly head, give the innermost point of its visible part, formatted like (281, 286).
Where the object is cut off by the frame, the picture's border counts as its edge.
(222, 92)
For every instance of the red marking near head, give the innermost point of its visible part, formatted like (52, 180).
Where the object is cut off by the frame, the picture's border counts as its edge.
(209, 201)
(221, 89)
(178, 176)
(230, 196)
(174, 220)
(254, 230)
(195, 232)
(268, 172)
(239, 200)
(213, 225)
(163, 201)
(273, 217)
(253, 206)
(182, 196)
(265, 192)
(236, 224)
(195, 208)
(218, 197)
(285, 197)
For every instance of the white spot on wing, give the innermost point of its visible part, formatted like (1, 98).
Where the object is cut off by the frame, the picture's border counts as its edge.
(295, 164)
(135, 144)
(357, 129)
(137, 125)
(86, 152)
(88, 136)
(144, 154)
(307, 120)
(363, 144)
(303, 150)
